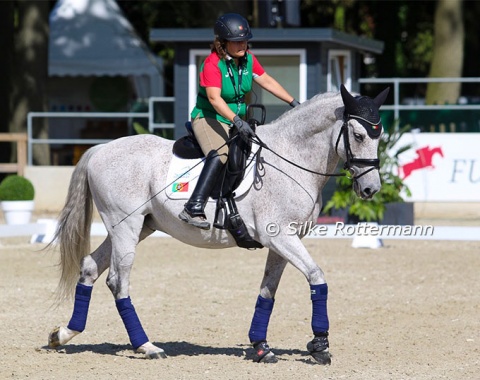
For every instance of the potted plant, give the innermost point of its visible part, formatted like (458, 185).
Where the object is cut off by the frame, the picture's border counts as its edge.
(16, 199)
(388, 205)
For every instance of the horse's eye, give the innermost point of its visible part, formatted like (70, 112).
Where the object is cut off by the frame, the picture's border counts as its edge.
(358, 137)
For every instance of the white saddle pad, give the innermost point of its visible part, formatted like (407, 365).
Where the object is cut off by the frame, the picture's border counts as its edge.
(183, 176)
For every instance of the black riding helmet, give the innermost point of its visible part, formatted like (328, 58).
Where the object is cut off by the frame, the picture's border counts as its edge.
(232, 27)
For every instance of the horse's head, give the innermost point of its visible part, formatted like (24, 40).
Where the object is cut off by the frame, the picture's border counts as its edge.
(361, 131)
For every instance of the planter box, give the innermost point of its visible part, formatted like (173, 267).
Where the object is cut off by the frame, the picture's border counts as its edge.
(398, 213)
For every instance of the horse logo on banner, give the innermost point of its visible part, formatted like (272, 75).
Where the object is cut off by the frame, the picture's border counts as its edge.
(423, 160)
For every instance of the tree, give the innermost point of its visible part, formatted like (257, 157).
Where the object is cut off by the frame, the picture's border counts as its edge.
(30, 72)
(447, 52)
(6, 65)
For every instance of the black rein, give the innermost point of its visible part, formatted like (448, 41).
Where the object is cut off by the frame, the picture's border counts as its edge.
(373, 163)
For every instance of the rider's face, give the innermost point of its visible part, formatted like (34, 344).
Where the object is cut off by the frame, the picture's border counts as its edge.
(236, 49)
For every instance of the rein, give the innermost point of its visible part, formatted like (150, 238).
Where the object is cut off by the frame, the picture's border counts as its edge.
(262, 145)
(374, 163)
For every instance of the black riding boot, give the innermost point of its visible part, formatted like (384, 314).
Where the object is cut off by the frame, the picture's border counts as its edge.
(193, 212)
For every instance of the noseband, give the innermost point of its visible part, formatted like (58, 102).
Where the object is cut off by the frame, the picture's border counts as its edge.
(372, 163)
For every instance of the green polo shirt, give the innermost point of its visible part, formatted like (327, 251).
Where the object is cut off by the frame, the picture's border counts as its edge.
(214, 73)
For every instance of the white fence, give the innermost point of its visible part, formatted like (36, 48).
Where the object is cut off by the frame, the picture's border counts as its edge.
(426, 118)
(458, 117)
(156, 117)
(71, 115)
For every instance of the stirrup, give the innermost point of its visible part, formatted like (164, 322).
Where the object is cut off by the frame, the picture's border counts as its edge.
(199, 221)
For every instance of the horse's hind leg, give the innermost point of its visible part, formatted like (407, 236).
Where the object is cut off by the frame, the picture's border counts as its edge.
(274, 268)
(92, 266)
(123, 253)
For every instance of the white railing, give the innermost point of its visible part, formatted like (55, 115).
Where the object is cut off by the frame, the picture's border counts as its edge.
(397, 106)
(72, 115)
(150, 115)
(152, 122)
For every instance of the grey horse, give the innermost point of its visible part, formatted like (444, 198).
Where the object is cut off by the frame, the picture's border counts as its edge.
(124, 178)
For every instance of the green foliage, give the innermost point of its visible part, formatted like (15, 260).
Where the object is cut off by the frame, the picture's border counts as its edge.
(16, 188)
(392, 189)
(166, 133)
(140, 129)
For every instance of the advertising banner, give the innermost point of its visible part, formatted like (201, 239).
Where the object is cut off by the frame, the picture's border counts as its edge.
(441, 166)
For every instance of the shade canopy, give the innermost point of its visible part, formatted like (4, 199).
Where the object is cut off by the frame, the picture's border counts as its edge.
(93, 38)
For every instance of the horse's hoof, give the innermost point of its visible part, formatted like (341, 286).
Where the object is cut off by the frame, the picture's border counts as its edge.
(151, 351)
(324, 357)
(263, 354)
(269, 358)
(318, 348)
(53, 338)
(60, 336)
(156, 355)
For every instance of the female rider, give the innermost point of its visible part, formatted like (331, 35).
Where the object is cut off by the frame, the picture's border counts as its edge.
(226, 77)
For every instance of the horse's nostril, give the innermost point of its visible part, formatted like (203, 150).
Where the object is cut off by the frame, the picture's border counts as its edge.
(369, 192)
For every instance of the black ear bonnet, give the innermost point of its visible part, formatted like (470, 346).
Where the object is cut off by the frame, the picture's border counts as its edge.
(364, 110)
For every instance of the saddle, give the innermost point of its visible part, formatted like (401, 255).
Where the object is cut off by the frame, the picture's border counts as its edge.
(224, 191)
(239, 150)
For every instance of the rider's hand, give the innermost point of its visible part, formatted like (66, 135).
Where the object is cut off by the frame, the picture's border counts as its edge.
(294, 103)
(243, 128)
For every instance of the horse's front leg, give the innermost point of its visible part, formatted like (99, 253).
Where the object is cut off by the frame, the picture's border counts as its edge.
(292, 250)
(263, 309)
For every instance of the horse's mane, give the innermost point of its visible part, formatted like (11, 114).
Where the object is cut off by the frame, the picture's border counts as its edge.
(319, 106)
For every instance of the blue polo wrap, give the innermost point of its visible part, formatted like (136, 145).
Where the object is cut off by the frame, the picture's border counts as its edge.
(319, 295)
(132, 323)
(261, 317)
(83, 293)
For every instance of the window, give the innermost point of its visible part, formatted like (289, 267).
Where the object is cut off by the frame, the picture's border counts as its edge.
(339, 70)
(160, 113)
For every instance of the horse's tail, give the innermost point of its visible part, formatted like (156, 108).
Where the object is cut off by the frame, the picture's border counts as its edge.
(73, 231)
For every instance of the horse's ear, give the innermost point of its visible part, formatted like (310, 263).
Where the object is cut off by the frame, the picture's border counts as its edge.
(348, 99)
(380, 98)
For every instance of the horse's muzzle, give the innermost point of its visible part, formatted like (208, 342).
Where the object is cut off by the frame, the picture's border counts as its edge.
(366, 192)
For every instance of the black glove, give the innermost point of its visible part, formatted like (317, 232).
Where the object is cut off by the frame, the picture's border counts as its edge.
(294, 103)
(243, 128)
